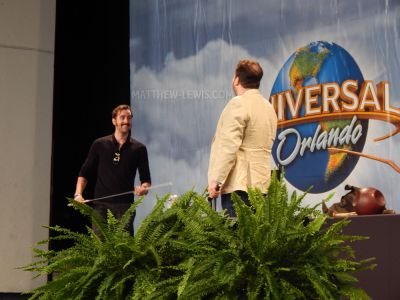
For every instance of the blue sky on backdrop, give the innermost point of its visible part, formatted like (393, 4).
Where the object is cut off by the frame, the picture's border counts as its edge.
(183, 54)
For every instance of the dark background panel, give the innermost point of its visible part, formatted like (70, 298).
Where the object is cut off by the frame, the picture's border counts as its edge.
(91, 77)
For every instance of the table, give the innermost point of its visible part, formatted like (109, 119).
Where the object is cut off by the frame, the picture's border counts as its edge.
(383, 282)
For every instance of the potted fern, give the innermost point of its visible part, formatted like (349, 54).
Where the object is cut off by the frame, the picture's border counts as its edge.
(275, 249)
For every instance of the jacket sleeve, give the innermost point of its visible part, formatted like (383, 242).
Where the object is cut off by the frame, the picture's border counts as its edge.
(228, 138)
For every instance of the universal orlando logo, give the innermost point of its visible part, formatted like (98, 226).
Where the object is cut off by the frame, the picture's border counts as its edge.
(323, 104)
(371, 103)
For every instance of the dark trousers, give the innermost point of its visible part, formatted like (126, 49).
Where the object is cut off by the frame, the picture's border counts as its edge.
(117, 209)
(226, 201)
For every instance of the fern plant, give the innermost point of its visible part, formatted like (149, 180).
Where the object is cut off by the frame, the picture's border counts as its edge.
(114, 264)
(275, 249)
(94, 266)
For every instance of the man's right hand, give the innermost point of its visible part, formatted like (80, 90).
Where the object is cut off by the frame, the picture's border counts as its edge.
(214, 189)
(79, 198)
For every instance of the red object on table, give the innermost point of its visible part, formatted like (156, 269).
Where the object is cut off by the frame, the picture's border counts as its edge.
(368, 201)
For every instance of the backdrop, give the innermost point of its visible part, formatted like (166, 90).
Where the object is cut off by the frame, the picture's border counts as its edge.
(323, 62)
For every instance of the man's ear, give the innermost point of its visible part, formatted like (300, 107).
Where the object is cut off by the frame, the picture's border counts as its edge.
(114, 121)
(236, 81)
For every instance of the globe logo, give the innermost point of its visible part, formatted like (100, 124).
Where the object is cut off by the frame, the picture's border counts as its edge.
(301, 148)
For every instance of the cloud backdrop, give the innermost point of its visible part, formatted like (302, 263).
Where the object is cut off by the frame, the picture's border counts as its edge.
(183, 55)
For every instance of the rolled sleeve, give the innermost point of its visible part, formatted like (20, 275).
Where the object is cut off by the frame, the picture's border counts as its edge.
(89, 167)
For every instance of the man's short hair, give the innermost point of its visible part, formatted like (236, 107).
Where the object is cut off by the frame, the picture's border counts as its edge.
(119, 108)
(249, 73)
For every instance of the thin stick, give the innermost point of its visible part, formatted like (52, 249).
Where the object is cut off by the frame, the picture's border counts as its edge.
(383, 160)
(157, 186)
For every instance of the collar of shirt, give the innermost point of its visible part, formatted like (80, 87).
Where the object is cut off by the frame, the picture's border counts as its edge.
(116, 144)
(251, 91)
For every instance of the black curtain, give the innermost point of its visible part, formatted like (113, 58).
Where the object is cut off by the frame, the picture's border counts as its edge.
(91, 77)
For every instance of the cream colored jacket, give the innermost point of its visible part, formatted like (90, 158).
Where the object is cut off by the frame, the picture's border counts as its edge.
(241, 148)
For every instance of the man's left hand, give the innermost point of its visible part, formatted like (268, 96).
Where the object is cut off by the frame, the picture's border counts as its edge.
(142, 189)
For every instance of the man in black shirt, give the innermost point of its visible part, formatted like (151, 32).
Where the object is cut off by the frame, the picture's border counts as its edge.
(113, 160)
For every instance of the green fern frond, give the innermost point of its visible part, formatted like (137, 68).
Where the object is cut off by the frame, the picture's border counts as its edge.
(126, 217)
(95, 218)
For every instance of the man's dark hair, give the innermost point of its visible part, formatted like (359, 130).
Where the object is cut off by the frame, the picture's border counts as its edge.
(119, 108)
(249, 73)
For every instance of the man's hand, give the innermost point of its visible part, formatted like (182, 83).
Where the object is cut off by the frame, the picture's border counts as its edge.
(79, 198)
(142, 189)
(214, 189)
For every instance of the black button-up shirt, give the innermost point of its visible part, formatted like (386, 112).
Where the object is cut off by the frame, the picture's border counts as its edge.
(116, 177)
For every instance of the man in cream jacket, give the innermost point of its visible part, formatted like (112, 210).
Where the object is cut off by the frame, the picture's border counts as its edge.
(241, 149)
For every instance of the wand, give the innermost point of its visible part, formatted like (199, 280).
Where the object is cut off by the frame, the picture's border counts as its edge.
(157, 186)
